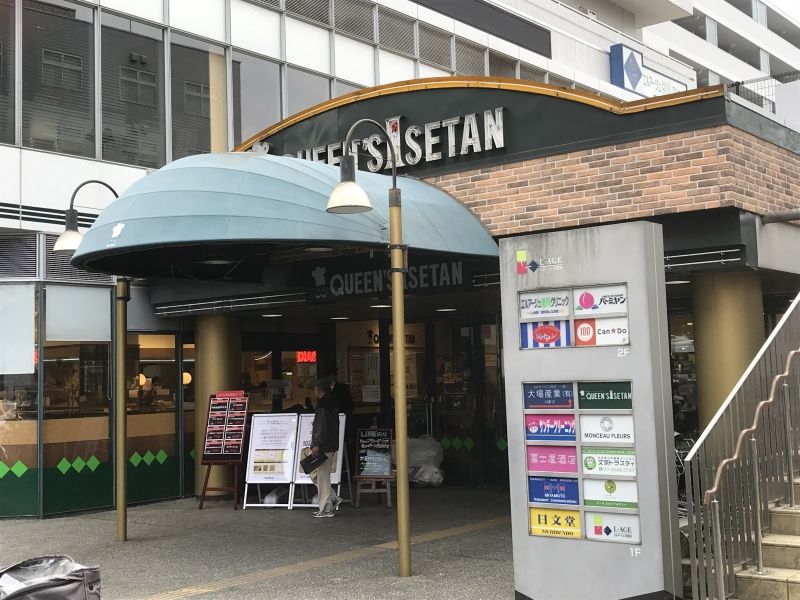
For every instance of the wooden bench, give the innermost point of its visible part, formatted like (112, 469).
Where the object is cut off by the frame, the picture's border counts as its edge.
(373, 485)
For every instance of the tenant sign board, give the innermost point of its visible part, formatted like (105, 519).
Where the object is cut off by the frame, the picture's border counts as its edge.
(613, 527)
(598, 301)
(617, 429)
(537, 306)
(553, 490)
(553, 459)
(605, 395)
(545, 334)
(548, 395)
(549, 522)
(550, 428)
(609, 461)
(610, 493)
(611, 331)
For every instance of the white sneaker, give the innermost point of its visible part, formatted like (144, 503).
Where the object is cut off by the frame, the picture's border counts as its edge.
(323, 514)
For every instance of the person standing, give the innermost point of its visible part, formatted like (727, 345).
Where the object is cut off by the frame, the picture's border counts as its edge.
(325, 440)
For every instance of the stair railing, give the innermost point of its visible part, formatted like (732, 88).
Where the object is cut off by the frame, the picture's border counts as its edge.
(729, 490)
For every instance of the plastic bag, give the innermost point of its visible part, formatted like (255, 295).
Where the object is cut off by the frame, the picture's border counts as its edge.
(424, 451)
(49, 578)
(427, 475)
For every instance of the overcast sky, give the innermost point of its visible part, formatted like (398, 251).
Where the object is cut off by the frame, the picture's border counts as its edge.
(790, 7)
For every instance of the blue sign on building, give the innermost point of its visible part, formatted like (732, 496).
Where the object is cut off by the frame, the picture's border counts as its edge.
(629, 72)
(553, 490)
(548, 395)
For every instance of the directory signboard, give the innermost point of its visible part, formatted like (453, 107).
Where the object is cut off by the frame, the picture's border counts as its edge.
(589, 414)
(224, 439)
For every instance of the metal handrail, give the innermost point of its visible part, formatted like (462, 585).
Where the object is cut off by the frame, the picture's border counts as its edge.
(710, 493)
(729, 490)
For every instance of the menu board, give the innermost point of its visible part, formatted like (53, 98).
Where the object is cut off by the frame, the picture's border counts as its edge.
(271, 456)
(374, 449)
(581, 458)
(227, 415)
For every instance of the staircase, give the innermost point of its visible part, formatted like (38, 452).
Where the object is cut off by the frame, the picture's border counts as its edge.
(781, 552)
(743, 507)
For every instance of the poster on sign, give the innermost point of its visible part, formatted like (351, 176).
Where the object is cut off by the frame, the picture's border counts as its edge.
(304, 449)
(616, 527)
(553, 490)
(537, 306)
(272, 448)
(550, 522)
(607, 428)
(550, 428)
(609, 461)
(610, 493)
(224, 438)
(599, 301)
(545, 334)
(553, 459)
(548, 395)
(611, 331)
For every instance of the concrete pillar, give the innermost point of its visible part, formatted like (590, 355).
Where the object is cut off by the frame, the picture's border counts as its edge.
(728, 331)
(218, 366)
(218, 102)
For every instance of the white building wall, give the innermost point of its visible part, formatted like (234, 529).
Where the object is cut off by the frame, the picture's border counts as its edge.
(580, 57)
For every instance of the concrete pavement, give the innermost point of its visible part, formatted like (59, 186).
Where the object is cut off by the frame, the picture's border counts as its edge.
(462, 549)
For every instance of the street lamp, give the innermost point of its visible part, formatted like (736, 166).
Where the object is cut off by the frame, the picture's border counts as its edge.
(68, 242)
(349, 198)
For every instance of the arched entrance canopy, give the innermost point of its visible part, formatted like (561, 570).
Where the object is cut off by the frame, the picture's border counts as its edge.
(208, 215)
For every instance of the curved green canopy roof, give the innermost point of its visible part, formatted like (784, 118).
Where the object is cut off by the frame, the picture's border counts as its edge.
(241, 208)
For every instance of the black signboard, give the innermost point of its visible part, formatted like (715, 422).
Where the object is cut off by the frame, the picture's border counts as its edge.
(224, 439)
(374, 453)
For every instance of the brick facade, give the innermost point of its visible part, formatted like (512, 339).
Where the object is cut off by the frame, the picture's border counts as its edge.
(703, 169)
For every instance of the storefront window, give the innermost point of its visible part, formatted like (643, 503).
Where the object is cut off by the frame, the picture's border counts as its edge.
(7, 71)
(133, 92)
(340, 88)
(153, 382)
(58, 87)
(189, 453)
(256, 95)
(78, 466)
(18, 401)
(305, 89)
(199, 98)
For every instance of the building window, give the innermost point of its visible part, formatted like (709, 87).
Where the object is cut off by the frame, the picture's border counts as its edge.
(58, 109)
(61, 70)
(7, 71)
(305, 89)
(134, 128)
(137, 86)
(197, 99)
(256, 95)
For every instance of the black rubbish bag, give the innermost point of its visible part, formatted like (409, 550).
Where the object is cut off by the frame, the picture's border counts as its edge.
(49, 578)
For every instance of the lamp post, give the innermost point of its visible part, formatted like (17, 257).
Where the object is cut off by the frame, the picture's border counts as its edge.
(348, 198)
(67, 243)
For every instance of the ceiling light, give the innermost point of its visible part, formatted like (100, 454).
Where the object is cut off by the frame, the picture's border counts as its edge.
(340, 318)
(216, 261)
(319, 249)
(271, 316)
(446, 309)
(381, 306)
(678, 282)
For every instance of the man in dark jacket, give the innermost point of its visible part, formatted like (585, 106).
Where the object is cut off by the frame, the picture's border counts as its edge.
(325, 439)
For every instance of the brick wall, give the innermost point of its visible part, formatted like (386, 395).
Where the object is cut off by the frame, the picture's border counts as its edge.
(708, 168)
